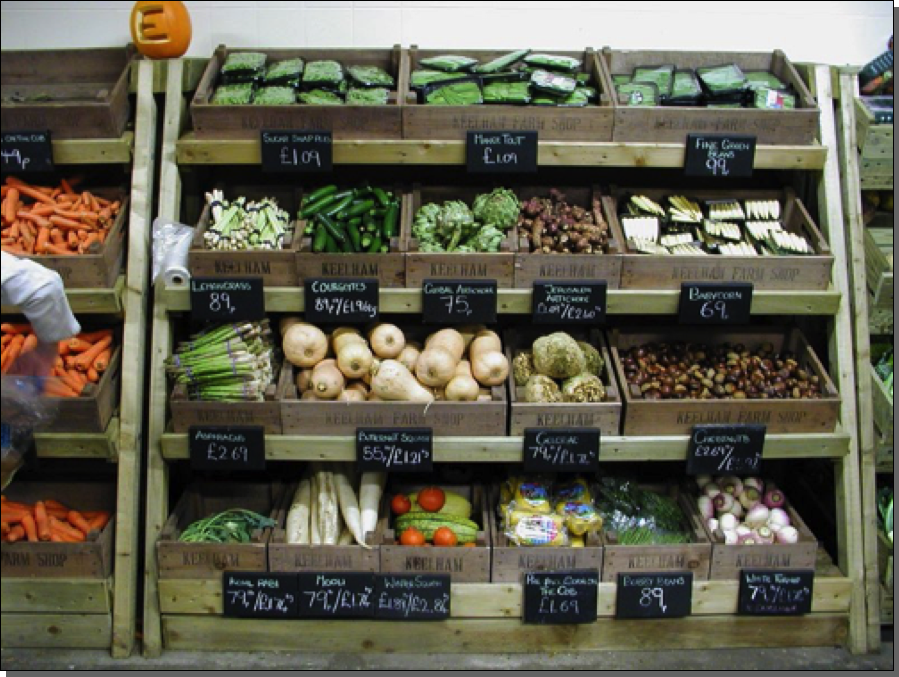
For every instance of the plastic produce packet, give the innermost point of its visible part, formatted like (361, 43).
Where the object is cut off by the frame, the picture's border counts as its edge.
(507, 92)
(501, 62)
(323, 74)
(171, 241)
(660, 76)
(580, 517)
(772, 99)
(639, 516)
(532, 495)
(287, 72)
(319, 97)
(759, 79)
(575, 491)
(370, 76)
(449, 63)
(370, 96)
(422, 78)
(275, 96)
(577, 99)
(23, 408)
(722, 80)
(243, 66)
(233, 94)
(685, 87)
(537, 530)
(552, 62)
(552, 83)
(638, 94)
(458, 93)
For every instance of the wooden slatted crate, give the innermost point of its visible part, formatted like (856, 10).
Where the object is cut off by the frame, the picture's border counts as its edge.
(879, 265)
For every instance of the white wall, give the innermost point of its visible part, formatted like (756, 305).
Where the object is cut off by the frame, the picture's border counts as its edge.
(824, 32)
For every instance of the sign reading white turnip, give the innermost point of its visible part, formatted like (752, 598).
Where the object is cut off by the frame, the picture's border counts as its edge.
(569, 303)
(654, 595)
(509, 152)
(776, 593)
(218, 299)
(394, 449)
(26, 152)
(721, 449)
(296, 150)
(715, 302)
(340, 300)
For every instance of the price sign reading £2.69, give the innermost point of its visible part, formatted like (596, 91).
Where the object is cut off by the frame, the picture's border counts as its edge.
(223, 448)
(296, 151)
(720, 155)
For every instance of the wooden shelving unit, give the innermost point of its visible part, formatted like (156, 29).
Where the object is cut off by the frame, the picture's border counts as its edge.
(90, 613)
(486, 617)
(866, 159)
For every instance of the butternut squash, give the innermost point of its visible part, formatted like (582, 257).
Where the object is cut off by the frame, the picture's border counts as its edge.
(409, 355)
(435, 366)
(354, 358)
(462, 388)
(327, 382)
(393, 382)
(490, 368)
(304, 345)
(304, 380)
(450, 340)
(387, 340)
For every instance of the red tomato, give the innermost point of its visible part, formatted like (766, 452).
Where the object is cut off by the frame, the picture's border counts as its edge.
(412, 536)
(431, 499)
(400, 504)
(445, 537)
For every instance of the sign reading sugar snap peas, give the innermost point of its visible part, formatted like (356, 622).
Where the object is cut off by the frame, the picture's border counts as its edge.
(719, 155)
(501, 152)
(296, 151)
(219, 299)
(25, 152)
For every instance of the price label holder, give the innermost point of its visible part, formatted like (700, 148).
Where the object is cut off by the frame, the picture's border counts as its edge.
(569, 303)
(26, 152)
(663, 595)
(336, 594)
(296, 151)
(511, 152)
(722, 449)
(394, 449)
(720, 155)
(776, 593)
(340, 300)
(459, 301)
(412, 597)
(217, 299)
(560, 597)
(253, 594)
(561, 450)
(715, 302)
(227, 448)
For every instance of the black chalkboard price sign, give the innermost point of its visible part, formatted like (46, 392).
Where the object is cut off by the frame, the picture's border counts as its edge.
(336, 595)
(721, 449)
(776, 593)
(217, 299)
(662, 595)
(569, 303)
(720, 155)
(715, 302)
(394, 449)
(459, 301)
(254, 594)
(296, 151)
(560, 597)
(25, 152)
(344, 300)
(412, 597)
(501, 152)
(226, 448)
(561, 449)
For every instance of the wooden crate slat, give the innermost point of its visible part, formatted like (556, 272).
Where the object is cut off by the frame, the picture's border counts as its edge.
(56, 596)
(55, 631)
(79, 445)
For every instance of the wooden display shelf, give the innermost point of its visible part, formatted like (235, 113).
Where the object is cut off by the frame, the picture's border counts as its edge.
(508, 449)
(103, 445)
(193, 151)
(94, 151)
(90, 301)
(518, 301)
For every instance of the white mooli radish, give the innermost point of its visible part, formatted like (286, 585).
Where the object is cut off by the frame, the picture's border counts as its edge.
(371, 486)
(757, 517)
(787, 535)
(349, 507)
(778, 518)
(297, 526)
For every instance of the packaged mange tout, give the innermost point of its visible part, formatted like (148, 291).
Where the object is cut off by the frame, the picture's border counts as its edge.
(458, 93)
(422, 78)
(502, 62)
(370, 76)
(233, 95)
(552, 83)
(449, 63)
(286, 72)
(323, 75)
(275, 96)
(243, 67)
(373, 96)
(552, 62)
(507, 93)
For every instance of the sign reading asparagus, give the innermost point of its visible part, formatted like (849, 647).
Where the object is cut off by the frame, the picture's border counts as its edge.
(568, 303)
(459, 301)
(715, 302)
(776, 593)
(501, 152)
(331, 301)
(25, 152)
(216, 299)
(654, 595)
(720, 449)
(248, 594)
(336, 595)
(394, 450)
(721, 155)
(296, 151)
(223, 448)
(560, 597)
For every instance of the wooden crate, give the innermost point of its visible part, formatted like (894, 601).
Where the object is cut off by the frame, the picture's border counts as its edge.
(694, 557)
(589, 123)
(603, 415)
(643, 271)
(464, 565)
(421, 266)
(677, 417)
(91, 412)
(671, 124)
(344, 122)
(729, 560)
(875, 142)
(208, 560)
(879, 265)
(91, 559)
(73, 93)
(101, 267)
(277, 268)
(530, 267)
(883, 406)
(885, 560)
(388, 269)
(510, 562)
(284, 556)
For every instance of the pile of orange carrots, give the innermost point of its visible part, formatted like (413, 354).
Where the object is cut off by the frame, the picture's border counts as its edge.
(57, 221)
(47, 520)
(82, 359)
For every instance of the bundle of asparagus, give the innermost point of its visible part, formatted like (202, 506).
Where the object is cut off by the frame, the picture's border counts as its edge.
(227, 363)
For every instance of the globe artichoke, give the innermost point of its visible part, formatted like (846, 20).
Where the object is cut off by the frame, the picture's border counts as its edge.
(498, 208)
(454, 223)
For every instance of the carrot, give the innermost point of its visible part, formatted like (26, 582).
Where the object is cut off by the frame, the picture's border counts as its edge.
(101, 364)
(99, 521)
(42, 521)
(94, 336)
(64, 529)
(67, 224)
(43, 238)
(13, 516)
(4, 528)
(58, 250)
(15, 328)
(87, 242)
(15, 349)
(85, 359)
(29, 344)
(92, 375)
(11, 205)
(76, 519)
(53, 387)
(34, 218)
(56, 237)
(30, 528)
(72, 381)
(6, 338)
(72, 240)
(16, 533)
(78, 345)
(56, 508)
(66, 187)
(33, 193)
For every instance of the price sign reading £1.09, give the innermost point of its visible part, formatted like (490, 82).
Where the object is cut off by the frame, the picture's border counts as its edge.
(224, 448)
(218, 299)
(501, 152)
(720, 155)
(296, 151)
(715, 302)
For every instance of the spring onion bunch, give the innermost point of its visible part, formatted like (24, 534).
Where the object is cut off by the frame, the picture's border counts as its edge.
(229, 363)
(244, 224)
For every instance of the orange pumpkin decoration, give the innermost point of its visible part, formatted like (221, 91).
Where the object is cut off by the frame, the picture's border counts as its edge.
(160, 30)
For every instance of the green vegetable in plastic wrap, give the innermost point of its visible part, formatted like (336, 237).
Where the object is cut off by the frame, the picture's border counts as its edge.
(638, 94)
(639, 516)
(685, 85)
(243, 65)
(772, 99)
(233, 95)
(319, 97)
(449, 63)
(423, 78)
(621, 79)
(284, 72)
(577, 99)
(370, 76)
(326, 73)
(552, 62)
(590, 92)
(660, 76)
(759, 79)
(499, 208)
(455, 94)
(722, 79)
(501, 62)
(552, 83)
(275, 96)
(374, 96)
(507, 93)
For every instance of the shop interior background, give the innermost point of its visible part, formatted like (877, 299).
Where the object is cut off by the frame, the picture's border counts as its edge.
(825, 32)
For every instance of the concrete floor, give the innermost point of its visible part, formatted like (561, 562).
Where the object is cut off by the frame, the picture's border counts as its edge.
(743, 659)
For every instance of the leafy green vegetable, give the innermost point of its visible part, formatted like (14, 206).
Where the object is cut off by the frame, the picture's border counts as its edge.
(233, 95)
(449, 63)
(231, 526)
(370, 76)
(455, 94)
(319, 97)
(373, 96)
(639, 516)
(499, 208)
(501, 62)
(275, 96)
